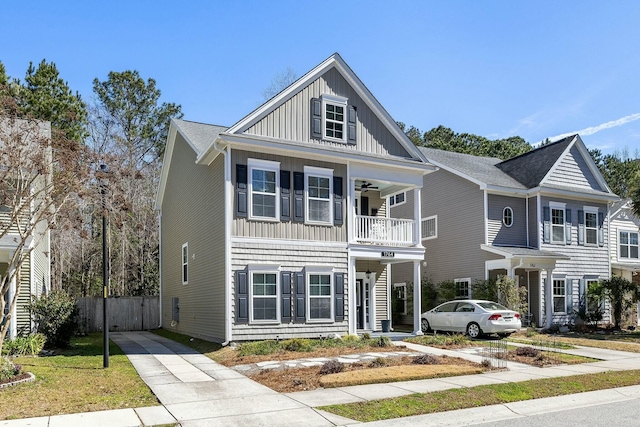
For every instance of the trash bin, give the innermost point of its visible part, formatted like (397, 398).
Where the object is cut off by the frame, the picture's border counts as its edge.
(386, 325)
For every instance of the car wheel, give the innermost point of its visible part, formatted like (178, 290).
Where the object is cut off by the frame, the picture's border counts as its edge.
(504, 335)
(425, 325)
(473, 330)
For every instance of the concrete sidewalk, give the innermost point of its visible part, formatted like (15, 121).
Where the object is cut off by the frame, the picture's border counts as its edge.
(196, 391)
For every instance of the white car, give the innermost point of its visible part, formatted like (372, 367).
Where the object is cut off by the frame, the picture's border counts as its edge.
(472, 317)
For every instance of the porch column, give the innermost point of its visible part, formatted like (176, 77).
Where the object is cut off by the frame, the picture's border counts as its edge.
(352, 296)
(417, 215)
(417, 299)
(548, 299)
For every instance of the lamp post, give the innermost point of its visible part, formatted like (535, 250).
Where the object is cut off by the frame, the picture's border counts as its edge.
(105, 270)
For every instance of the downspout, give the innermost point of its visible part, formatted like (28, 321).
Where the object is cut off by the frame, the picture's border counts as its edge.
(160, 266)
(526, 216)
(228, 215)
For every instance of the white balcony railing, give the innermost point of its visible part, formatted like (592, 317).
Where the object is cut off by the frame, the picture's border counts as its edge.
(384, 231)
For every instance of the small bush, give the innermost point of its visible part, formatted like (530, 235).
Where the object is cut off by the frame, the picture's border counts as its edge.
(297, 344)
(527, 351)
(258, 348)
(379, 362)
(381, 342)
(55, 316)
(350, 338)
(425, 359)
(366, 336)
(30, 345)
(331, 367)
(486, 363)
(8, 369)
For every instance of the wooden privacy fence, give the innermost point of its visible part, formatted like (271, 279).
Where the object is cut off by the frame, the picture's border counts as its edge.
(125, 313)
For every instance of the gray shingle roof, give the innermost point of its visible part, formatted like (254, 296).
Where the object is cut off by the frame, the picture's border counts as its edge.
(200, 135)
(530, 168)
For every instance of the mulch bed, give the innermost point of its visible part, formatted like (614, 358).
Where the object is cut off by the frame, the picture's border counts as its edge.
(20, 378)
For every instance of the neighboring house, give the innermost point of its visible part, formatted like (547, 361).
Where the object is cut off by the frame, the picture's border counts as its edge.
(35, 274)
(278, 226)
(624, 244)
(540, 218)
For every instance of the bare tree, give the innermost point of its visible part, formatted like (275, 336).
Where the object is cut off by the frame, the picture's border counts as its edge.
(280, 81)
(39, 173)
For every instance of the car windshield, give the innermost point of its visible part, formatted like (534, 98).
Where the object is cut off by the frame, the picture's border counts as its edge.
(488, 305)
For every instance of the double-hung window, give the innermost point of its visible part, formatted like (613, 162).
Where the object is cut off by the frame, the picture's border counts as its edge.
(319, 191)
(397, 199)
(591, 226)
(334, 117)
(463, 288)
(593, 303)
(557, 223)
(264, 189)
(559, 296)
(628, 245)
(320, 296)
(264, 294)
(185, 263)
(429, 227)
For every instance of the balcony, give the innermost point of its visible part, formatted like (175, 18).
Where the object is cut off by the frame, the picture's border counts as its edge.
(384, 231)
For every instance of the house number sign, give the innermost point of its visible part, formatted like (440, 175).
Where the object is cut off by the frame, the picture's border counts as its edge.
(388, 254)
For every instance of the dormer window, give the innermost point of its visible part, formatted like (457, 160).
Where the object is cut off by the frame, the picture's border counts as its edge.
(333, 119)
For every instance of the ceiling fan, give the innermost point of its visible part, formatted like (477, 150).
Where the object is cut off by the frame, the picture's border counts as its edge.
(366, 186)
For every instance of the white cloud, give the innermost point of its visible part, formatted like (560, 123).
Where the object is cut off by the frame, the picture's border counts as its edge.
(595, 129)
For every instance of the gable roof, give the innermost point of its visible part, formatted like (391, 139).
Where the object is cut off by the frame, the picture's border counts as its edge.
(530, 168)
(336, 62)
(528, 171)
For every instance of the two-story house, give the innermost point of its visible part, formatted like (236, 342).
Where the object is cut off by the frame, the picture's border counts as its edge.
(540, 218)
(624, 244)
(278, 226)
(25, 267)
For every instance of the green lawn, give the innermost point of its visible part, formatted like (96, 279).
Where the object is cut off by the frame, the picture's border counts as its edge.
(74, 381)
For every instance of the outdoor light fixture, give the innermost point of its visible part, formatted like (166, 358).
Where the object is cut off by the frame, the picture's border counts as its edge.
(368, 274)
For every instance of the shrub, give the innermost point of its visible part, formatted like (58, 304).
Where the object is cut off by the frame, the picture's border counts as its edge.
(30, 345)
(381, 342)
(527, 351)
(55, 316)
(425, 359)
(258, 348)
(379, 362)
(331, 367)
(297, 344)
(8, 369)
(366, 336)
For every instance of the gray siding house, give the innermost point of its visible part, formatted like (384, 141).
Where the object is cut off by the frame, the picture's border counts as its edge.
(541, 218)
(278, 226)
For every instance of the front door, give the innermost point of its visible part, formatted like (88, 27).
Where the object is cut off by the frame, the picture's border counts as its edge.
(363, 299)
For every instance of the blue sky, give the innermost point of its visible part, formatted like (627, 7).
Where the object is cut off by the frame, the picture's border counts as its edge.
(536, 69)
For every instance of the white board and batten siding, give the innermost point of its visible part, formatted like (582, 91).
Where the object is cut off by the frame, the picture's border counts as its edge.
(289, 257)
(291, 121)
(195, 217)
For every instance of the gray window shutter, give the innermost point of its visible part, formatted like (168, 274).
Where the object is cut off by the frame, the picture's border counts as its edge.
(301, 299)
(316, 118)
(338, 283)
(567, 226)
(285, 195)
(364, 206)
(351, 124)
(582, 293)
(581, 227)
(337, 200)
(569, 295)
(298, 196)
(546, 228)
(285, 283)
(242, 297)
(241, 190)
(600, 228)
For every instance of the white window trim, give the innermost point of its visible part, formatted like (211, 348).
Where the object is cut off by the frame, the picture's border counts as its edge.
(264, 269)
(588, 279)
(465, 279)
(403, 286)
(435, 218)
(564, 296)
(185, 263)
(267, 165)
(322, 270)
(628, 231)
(504, 211)
(591, 210)
(310, 171)
(334, 100)
(393, 202)
(563, 208)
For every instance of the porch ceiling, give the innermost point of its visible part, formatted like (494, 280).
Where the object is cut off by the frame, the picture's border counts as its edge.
(509, 252)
